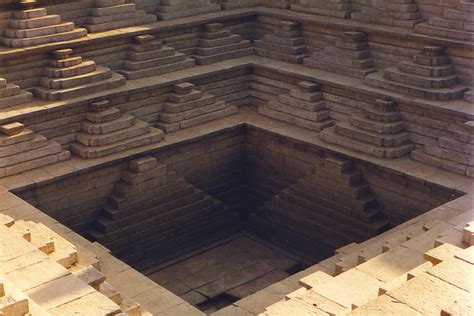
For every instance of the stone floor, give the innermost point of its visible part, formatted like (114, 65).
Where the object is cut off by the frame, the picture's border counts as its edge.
(220, 275)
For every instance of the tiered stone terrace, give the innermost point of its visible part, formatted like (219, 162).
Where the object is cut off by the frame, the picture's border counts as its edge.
(322, 149)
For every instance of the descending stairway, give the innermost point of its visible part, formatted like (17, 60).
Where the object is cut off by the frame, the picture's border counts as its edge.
(302, 107)
(107, 131)
(399, 13)
(334, 8)
(379, 132)
(217, 44)
(173, 9)
(456, 24)
(406, 271)
(32, 27)
(144, 211)
(326, 209)
(453, 151)
(350, 56)
(286, 43)
(187, 106)
(114, 14)
(11, 94)
(35, 260)
(22, 149)
(148, 57)
(69, 76)
(430, 76)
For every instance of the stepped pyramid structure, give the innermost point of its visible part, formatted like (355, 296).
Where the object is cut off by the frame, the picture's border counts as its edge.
(11, 94)
(404, 13)
(430, 75)
(217, 44)
(233, 4)
(36, 260)
(32, 27)
(303, 107)
(114, 14)
(148, 57)
(456, 24)
(351, 56)
(107, 131)
(407, 271)
(188, 106)
(286, 43)
(335, 8)
(453, 151)
(379, 132)
(69, 76)
(22, 149)
(173, 9)
(149, 191)
(334, 198)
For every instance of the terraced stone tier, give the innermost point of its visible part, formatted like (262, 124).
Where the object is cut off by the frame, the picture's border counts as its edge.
(233, 4)
(148, 57)
(173, 9)
(350, 56)
(335, 8)
(115, 14)
(430, 76)
(217, 44)
(11, 95)
(34, 27)
(397, 13)
(286, 43)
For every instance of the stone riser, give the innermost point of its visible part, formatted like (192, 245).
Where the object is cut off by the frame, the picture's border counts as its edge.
(186, 13)
(155, 71)
(96, 28)
(206, 60)
(22, 98)
(344, 14)
(41, 40)
(359, 73)
(279, 56)
(34, 164)
(315, 126)
(426, 29)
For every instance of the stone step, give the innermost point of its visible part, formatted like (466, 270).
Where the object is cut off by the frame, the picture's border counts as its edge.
(99, 74)
(468, 96)
(9, 90)
(212, 51)
(359, 54)
(426, 29)
(123, 122)
(382, 116)
(312, 106)
(39, 31)
(314, 116)
(408, 21)
(34, 164)
(162, 51)
(321, 11)
(72, 71)
(315, 126)
(50, 149)
(29, 14)
(138, 128)
(142, 19)
(354, 72)
(65, 63)
(215, 35)
(456, 15)
(114, 81)
(231, 39)
(206, 60)
(283, 49)
(331, 136)
(142, 139)
(24, 136)
(156, 62)
(426, 71)
(449, 24)
(97, 20)
(112, 10)
(396, 75)
(155, 71)
(279, 56)
(21, 98)
(206, 99)
(440, 94)
(107, 115)
(14, 301)
(420, 155)
(33, 141)
(466, 6)
(45, 39)
(327, 58)
(386, 140)
(164, 14)
(378, 127)
(37, 22)
(284, 41)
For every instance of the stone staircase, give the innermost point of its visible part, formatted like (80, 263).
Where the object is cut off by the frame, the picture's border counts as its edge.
(69, 77)
(11, 95)
(398, 13)
(34, 27)
(430, 75)
(37, 266)
(406, 271)
(109, 15)
(107, 131)
(379, 132)
(145, 211)
(217, 44)
(454, 151)
(303, 107)
(173, 9)
(148, 57)
(233, 4)
(333, 8)
(334, 198)
(188, 106)
(22, 149)
(286, 43)
(456, 24)
(350, 56)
